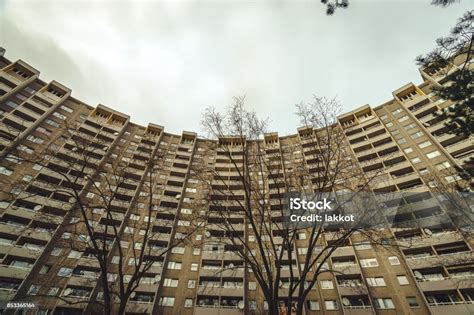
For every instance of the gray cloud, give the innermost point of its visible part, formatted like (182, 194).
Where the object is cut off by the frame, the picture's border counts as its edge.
(165, 62)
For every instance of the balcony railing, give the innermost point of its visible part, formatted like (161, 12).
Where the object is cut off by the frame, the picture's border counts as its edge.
(357, 306)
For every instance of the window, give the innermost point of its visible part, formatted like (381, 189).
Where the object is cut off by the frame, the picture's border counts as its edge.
(26, 149)
(327, 284)
(331, 304)
(408, 150)
(402, 280)
(196, 251)
(44, 269)
(433, 154)
(65, 272)
(5, 171)
(389, 124)
(252, 285)
(174, 265)
(302, 250)
(56, 251)
(170, 283)
(177, 250)
(396, 111)
(432, 184)
(167, 301)
(393, 260)
(403, 118)
(27, 178)
(138, 245)
(376, 282)
(35, 139)
(186, 211)
(424, 171)
(52, 123)
(34, 289)
(452, 178)
(191, 284)
(83, 238)
(43, 130)
(411, 300)
(384, 303)
(442, 166)
(53, 291)
(74, 254)
(313, 305)
(37, 167)
(415, 160)
(66, 236)
(129, 230)
(362, 246)
(416, 135)
(112, 277)
(301, 236)
(252, 305)
(66, 108)
(369, 262)
(425, 144)
(115, 260)
(194, 267)
(188, 303)
(59, 115)
(13, 158)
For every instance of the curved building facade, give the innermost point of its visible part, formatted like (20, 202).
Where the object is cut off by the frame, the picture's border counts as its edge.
(403, 139)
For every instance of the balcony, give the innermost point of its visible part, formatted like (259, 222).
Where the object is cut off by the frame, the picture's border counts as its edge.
(7, 294)
(219, 272)
(220, 255)
(351, 290)
(449, 259)
(137, 307)
(13, 272)
(458, 308)
(221, 290)
(343, 251)
(438, 238)
(82, 281)
(347, 268)
(20, 251)
(13, 78)
(356, 304)
(216, 310)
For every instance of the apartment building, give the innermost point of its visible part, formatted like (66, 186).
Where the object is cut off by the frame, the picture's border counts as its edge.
(403, 140)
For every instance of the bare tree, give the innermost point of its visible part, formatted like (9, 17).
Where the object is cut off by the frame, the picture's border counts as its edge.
(249, 193)
(333, 5)
(454, 193)
(456, 48)
(112, 203)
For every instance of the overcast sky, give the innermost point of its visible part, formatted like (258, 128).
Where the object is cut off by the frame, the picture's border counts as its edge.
(164, 62)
